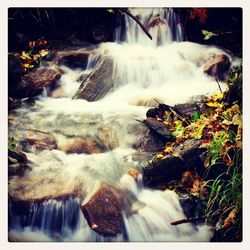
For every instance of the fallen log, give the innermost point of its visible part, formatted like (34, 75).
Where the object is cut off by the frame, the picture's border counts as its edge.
(187, 220)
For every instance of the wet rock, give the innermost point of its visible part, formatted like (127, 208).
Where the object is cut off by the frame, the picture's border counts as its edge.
(167, 169)
(40, 78)
(217, 66)
(103, 211)
(158, 112)
(79, 145)
(18, 156)
(188, 178)
(152, 113)
(151, 142)
(18, 169)
(148, 141)
(108, 137)
(158, 127)
(44, 186)
(17, 163)
(82, 77)
(32, 84)
(185, 157)
(33, 139)
(13, 103)
(74, 58)
(190, 205)
(184, 109)
(99, 82)
(188, 109)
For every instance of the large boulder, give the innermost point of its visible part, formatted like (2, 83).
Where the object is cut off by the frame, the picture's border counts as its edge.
(185, 157)
(38, 187)
(99, 82)
(33, 83)
(103, 210)
(217, 66)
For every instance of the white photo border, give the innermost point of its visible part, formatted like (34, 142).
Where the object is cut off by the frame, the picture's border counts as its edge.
(4, 244)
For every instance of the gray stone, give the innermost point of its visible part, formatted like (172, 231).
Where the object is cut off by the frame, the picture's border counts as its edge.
(40, 78)
(99, 82)
(217, 66)
(185, 157)
(103, 211)
(158, 127)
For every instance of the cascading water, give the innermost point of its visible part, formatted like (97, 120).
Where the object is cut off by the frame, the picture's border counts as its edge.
(165, 69)
(162, 23)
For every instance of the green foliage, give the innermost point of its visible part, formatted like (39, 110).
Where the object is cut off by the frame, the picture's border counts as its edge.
(179, 129)
(196, 116)
(224, 207)
(216, 147)
(231, 136)
(11, 145)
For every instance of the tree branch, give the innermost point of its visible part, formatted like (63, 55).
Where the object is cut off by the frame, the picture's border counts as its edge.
(137, 20)
(187, 220)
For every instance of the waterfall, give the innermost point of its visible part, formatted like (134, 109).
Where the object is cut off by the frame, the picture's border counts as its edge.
(166, 69)
(162, 23)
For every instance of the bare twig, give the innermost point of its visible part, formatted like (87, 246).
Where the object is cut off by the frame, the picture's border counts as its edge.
(139, 121)
(187, 220)
(218, 84)
(137, 20)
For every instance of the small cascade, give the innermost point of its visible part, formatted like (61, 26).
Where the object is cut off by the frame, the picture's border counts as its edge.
(162, 23)
(62, 220)
(51, 216)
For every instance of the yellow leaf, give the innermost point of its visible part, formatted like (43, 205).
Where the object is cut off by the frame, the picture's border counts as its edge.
(159, 156)
(168, 150)
(27, 65)
(43, 52)
(214, 104)
(230, 218)
(25, 55)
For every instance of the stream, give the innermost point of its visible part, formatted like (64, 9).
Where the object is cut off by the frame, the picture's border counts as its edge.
(166, 69)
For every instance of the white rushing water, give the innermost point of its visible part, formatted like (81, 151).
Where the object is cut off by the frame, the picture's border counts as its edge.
(166, 69)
